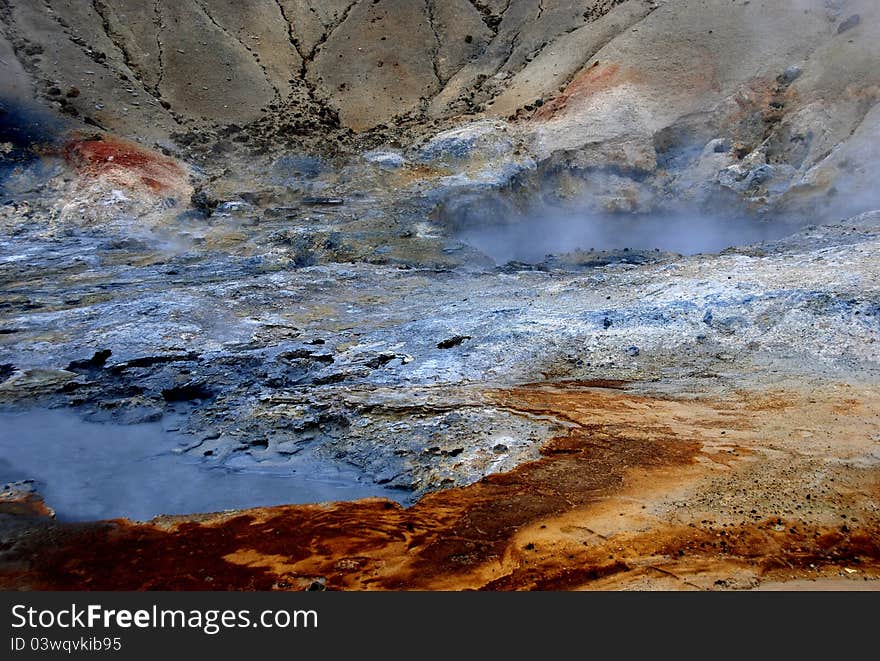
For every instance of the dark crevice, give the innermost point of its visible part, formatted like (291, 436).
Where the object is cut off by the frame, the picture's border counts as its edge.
(429, 12)
(291, 36)
(307, 58)
(329, 33)
(160, 53)
(241, 43)
(303, 56)
(491, 20)
(102, 10)
(511, 48)
(514, 41)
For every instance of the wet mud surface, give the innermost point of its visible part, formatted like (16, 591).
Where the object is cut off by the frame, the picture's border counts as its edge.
(96, 470)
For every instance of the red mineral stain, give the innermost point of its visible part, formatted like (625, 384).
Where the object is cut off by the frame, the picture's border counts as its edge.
(125, 163)
(589, 81)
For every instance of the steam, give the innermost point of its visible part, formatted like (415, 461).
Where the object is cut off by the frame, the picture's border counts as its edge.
(544, 231)
(813, 163)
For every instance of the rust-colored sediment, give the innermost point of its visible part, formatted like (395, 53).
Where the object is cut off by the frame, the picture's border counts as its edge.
(125, 163)
(690, 76)
(24, 504)
(640, 492)
(596, 78)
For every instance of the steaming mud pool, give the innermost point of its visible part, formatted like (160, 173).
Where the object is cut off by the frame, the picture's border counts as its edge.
(97, 470)
(545, 233)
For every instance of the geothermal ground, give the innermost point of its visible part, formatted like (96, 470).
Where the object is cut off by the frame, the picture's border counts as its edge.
(440, 295)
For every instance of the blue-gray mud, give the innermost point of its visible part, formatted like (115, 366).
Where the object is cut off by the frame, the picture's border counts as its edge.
(99, 470)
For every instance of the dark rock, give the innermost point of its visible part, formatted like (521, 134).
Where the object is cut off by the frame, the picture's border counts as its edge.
(149, 361)
(452, 341)
(281, 212)
(97, 361)
(125, 412)
(6, 370)
(187, 392)
(305, 354)
(730, 325)
(323, 201)
(338, 377)
(632, 351)
(500, 448)
(204, 202)
(606, 322)
(758, 176)
(380, 361)
(258, 198)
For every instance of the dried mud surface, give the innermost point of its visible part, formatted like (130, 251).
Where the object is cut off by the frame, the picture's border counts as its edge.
(640, 492)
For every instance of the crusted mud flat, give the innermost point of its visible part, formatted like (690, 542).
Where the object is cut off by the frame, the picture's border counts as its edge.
(585, 293)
